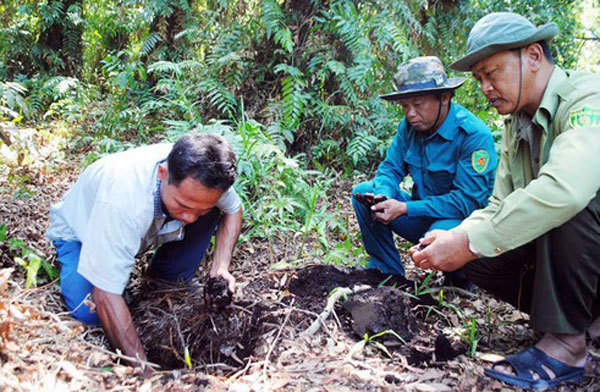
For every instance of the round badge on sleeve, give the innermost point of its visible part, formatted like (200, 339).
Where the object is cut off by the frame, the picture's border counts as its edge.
(584, 117)
(480, 159)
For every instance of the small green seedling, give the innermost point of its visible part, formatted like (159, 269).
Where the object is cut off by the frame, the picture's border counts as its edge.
(371, 340)
(383, 282)
(472, 336)
(422, 288)
(188, 358)
(29, 259)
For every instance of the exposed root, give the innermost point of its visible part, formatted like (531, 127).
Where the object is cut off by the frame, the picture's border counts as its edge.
(342, 292)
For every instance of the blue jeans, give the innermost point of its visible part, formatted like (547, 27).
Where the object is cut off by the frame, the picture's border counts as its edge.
(174, 262)
(378, 238)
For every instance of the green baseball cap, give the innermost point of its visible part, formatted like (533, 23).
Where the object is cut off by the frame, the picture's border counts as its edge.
(500, 31)
(421, 76)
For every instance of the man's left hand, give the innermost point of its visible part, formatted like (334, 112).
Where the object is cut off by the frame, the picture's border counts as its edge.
(388, 210)
(225, 274)
(442, 250)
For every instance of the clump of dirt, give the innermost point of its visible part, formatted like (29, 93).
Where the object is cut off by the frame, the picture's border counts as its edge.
(445, 351)
(174, 320)
(312, 285)
(417, 358)
(216, 294)
(382, 309)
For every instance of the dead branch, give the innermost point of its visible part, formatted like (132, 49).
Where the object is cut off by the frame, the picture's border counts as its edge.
(287, 317)
(123, 356)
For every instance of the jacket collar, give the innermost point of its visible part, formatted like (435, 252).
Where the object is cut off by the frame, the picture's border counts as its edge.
(551, 99)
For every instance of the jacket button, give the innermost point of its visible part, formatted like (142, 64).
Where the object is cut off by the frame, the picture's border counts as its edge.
(498, 251)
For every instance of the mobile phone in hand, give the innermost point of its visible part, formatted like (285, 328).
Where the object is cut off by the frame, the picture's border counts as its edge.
(369, 200)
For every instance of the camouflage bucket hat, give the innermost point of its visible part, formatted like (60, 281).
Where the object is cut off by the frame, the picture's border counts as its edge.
(421, 76)
(500, 31)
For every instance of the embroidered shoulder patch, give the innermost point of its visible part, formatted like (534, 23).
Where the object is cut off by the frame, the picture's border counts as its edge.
(584, 117)
(480, 159)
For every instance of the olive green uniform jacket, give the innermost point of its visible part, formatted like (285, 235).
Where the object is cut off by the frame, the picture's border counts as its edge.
(525, 204)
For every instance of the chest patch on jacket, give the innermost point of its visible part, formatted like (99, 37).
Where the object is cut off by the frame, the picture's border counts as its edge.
(584, 117)
(480, 160)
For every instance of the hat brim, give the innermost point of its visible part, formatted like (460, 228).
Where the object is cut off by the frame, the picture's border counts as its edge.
(544, 33)
(451, 84)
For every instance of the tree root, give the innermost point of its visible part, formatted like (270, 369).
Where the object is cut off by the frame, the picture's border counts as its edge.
(452, 289)
(340, 292)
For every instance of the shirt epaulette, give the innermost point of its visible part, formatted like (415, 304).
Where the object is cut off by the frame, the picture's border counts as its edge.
(470, 125)
(565, 90)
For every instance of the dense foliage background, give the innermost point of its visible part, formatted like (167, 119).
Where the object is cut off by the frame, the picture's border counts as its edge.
(293, 84)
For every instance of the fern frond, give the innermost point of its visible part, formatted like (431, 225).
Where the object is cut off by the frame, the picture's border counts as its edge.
(150, 43)
(274, 20)
(165, 67)
(360, 146)
(52, 12)
(65, 85)
(11, 98)
(294, 99)
(219, 96)
(362, 73)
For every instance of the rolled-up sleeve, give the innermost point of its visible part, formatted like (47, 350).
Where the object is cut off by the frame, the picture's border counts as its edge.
(229, 202)
(565, 185)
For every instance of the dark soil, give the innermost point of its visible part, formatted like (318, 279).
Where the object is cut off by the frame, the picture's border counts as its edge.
(204, 322)
(216, 294)
(382, 309)
(445, 351)
(377, 310)
(173, 319)
(415, 357)
(313, 285)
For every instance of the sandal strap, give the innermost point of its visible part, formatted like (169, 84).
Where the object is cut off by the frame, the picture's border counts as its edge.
(558, 368)
(524, 363)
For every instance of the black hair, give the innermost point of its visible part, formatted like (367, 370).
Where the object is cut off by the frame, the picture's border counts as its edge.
(208, 159)
(451, 92)
(545, 48)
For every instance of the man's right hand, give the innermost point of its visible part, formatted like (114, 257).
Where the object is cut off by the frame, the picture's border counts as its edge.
(442, 250)
(118, 325)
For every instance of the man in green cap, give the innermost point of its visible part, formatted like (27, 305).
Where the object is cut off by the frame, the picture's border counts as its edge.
(448, 152)
(537, 243)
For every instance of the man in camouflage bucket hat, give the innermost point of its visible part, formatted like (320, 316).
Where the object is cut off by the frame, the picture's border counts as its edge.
(537, 243)
(448, 152)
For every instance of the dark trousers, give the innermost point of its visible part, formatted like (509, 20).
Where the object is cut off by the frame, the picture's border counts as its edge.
(378, 238)
(556, 278)
(177, 261)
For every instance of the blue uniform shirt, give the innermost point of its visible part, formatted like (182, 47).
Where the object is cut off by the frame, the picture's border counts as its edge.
(453, 169)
